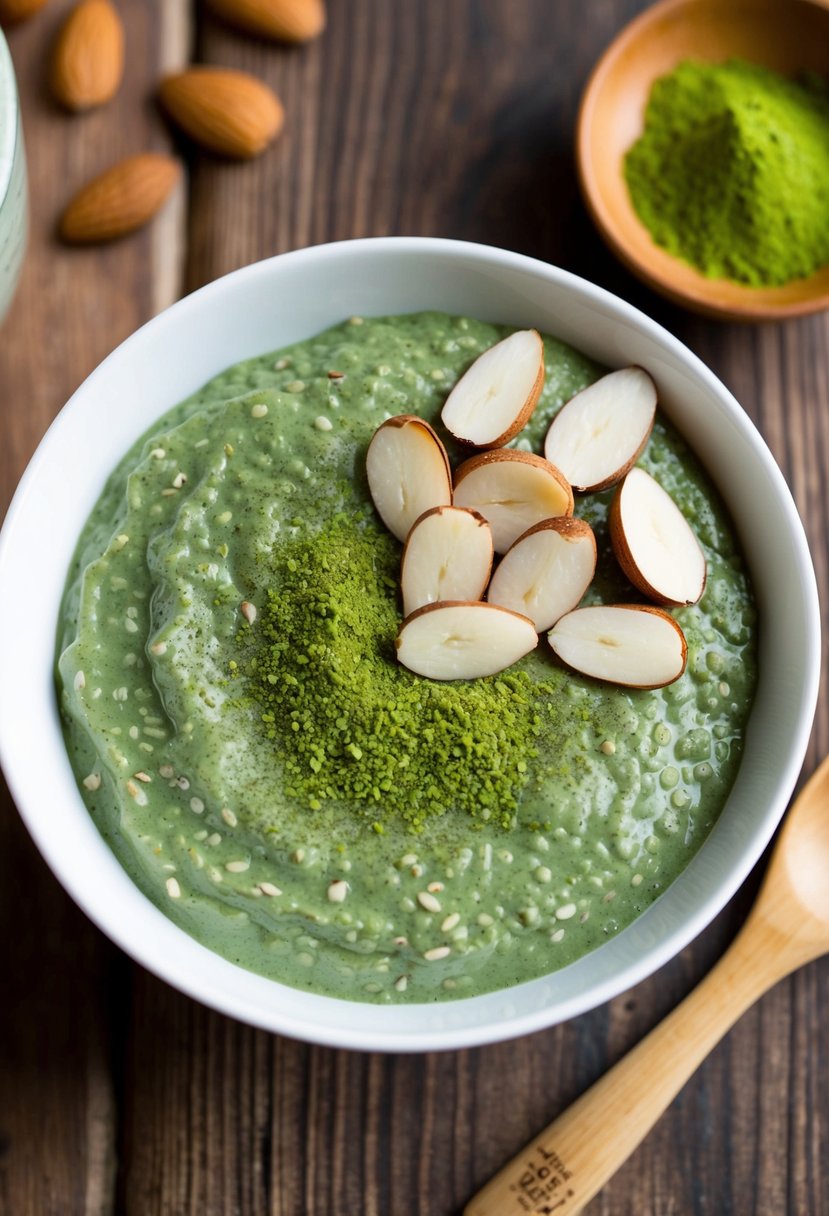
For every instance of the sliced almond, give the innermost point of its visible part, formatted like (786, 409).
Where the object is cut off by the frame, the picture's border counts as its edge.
(448, 556)
(632, 644)
(513, 491)
(452, 641)
(495, 397)
(408, 472)
(654, 543)
(601, 432)
(547, 571)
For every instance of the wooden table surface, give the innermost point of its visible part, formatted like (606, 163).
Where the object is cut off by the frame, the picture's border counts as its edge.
(117, 1094)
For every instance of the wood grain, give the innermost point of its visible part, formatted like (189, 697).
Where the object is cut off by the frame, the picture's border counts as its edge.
(62, 1011)
(433, 118)
(568, 1162)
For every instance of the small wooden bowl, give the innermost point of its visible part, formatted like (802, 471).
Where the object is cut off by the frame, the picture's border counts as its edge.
(789, 36)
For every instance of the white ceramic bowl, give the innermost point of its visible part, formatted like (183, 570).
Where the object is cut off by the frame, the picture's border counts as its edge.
(256, 310)
(13, 196)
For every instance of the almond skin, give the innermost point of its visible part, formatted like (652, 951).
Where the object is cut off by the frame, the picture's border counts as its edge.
(624, 555)
(598, 435)
(497, 394)
(436, 556)
(408, 472)
(228, 112)
(12, 11)
(508, 520)
(88, 57)
(641, 680)
(120, 200)
(517, 456)
(538, 577)
(468, 657)
(283, 20)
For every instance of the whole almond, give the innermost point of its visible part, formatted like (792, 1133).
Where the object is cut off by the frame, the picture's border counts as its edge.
(120, 200)
(284, 20)
(226, 111)
(88, 56)
(12, 11)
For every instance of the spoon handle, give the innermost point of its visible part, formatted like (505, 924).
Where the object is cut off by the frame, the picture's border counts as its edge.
(563, 1168)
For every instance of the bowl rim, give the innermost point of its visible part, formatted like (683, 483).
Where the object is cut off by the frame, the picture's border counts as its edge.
(750, 303)
(137, 942)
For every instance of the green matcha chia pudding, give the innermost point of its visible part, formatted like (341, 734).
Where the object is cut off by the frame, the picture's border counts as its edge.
(281, 787)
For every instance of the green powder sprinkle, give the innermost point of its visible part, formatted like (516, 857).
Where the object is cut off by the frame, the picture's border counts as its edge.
(732, 171)
(349, 724)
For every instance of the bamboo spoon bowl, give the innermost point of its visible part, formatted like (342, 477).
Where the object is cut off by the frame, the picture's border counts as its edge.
(788, 36)
(564, 1167)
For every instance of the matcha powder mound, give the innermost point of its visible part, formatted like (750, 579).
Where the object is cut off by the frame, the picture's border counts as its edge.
(351, 726)
(732, 171)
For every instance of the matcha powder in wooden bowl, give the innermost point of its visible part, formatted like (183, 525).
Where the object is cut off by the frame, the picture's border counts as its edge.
(731, 172)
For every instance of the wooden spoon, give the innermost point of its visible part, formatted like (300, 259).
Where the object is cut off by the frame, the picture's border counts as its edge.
(564, 1167)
